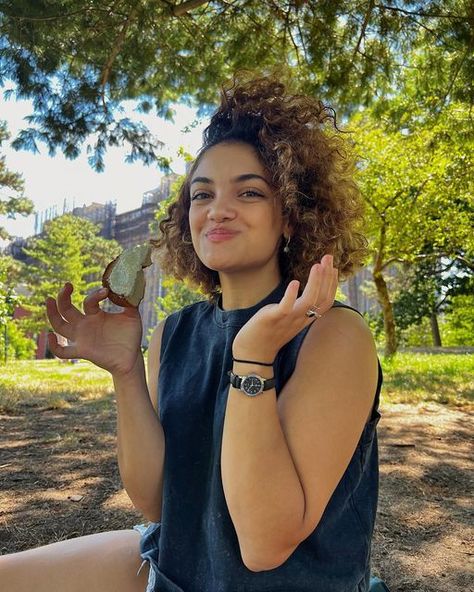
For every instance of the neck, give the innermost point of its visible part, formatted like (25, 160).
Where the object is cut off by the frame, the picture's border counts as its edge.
(244, 289)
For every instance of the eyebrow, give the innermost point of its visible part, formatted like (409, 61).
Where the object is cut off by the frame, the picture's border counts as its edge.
(238, 179)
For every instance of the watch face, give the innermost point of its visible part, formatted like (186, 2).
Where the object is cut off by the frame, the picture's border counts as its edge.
(252, 385)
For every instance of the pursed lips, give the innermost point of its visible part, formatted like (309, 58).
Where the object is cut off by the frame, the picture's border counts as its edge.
(220, 233)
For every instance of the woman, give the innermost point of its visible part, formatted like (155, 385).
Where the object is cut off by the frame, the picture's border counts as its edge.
(256, 463)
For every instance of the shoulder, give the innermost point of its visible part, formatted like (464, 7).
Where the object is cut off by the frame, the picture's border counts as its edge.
(338, 351)
(341, 332)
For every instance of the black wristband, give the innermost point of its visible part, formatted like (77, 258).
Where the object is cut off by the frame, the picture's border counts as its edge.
(252, 362)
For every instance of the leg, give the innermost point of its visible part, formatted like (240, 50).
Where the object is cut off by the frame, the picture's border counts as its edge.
(105, 562)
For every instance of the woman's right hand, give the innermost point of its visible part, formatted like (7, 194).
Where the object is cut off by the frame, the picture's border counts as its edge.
(109, 340)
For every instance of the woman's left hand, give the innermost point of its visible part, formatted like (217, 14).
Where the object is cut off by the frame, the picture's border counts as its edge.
(275, 325)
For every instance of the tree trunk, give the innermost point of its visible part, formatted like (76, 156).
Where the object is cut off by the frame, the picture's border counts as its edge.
(387, 311)
(435, 329)
(383, 296)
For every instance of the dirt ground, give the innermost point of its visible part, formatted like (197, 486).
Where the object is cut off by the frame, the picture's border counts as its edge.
(59, 479)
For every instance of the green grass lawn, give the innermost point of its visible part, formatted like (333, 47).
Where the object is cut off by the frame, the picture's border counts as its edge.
(421, 377)
(408, 378)
(51, 384)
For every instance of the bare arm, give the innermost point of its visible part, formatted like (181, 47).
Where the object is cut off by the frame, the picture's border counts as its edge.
(282, 459)
(140, 437)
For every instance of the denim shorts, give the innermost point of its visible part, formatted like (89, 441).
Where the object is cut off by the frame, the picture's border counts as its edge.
(141, 528)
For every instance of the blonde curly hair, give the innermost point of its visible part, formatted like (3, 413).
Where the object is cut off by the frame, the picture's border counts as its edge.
(311, 166)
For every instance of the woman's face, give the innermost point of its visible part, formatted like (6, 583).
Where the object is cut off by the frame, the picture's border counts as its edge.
(235, 219)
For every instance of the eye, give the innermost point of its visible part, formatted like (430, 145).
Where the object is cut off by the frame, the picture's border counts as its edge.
(251, 193)
(200, 195)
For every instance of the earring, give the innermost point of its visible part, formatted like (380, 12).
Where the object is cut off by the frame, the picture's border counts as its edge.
(286, 248)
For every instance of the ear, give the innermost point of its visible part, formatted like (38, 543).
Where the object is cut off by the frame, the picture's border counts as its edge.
(287, 228)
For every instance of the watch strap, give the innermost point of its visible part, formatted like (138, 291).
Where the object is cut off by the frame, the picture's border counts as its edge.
(236, 381)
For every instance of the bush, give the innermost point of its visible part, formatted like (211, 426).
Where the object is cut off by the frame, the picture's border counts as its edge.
(458, 324)
(19, 346)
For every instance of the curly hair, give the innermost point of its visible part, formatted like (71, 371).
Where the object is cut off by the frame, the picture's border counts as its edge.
(298, 142)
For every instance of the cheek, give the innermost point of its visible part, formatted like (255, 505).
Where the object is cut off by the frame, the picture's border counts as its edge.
(193, 220)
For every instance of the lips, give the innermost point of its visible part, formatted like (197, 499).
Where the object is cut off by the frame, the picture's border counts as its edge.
(220, 233)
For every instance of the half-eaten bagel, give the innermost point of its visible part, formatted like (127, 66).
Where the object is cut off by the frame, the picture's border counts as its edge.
(124, 276)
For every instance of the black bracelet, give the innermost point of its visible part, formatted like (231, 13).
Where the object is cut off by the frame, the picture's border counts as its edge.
(252, 362)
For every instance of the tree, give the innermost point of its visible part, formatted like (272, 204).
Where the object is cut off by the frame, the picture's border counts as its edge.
(430, 286)
(78, 60)
(9, 300)
(69, 249)
(15, 202)
(418, 187)
(177, 293)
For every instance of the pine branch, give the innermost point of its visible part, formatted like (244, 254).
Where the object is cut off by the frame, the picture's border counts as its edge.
(425, 14)
(363, 29)
(116, 48)
(185, 7)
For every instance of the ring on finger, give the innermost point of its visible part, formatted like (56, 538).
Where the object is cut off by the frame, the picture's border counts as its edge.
(313, 312)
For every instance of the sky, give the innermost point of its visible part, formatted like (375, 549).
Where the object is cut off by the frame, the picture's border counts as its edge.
(51, 180)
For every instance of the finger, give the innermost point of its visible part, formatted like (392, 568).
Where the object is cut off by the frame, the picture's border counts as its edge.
(65, 306)
(65, 352)
(91, 302)
(330, 293)
(290, 296)
(312, 289)
(57, 322)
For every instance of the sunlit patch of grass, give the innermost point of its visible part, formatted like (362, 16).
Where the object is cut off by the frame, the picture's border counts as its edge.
(420, 377)
(50, 384)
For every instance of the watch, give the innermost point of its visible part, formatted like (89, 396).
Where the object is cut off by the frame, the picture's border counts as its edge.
(251, 384)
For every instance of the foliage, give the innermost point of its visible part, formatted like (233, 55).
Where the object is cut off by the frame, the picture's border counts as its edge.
(68, 250)
(458, 323)
(19, 346)
(11, 186)
(177, 295)
(418, 189)
(429, 286)
(9, 273)
(79, 60)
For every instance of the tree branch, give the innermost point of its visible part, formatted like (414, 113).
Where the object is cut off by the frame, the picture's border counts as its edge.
(184, 7)
(455, 75)
(426, 14)
(363, 28)
(116, 48)
(392, 260)
(374, 207)
(467, 262)
(62, 16)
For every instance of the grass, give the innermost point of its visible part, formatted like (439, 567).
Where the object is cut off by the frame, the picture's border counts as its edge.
(51, 384)
(422, 377)
(408, 378)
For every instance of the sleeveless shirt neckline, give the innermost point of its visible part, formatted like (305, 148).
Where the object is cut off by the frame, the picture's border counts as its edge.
(239, 316)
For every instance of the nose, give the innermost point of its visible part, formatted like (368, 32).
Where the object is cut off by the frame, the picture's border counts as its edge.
(221, 208)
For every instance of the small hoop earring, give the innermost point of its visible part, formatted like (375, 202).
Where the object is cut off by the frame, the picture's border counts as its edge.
(286, 248)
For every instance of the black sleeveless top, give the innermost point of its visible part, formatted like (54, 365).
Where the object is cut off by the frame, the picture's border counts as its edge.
(195, 547)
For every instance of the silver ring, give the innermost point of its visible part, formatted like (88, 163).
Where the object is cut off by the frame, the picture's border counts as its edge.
(313, 312)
